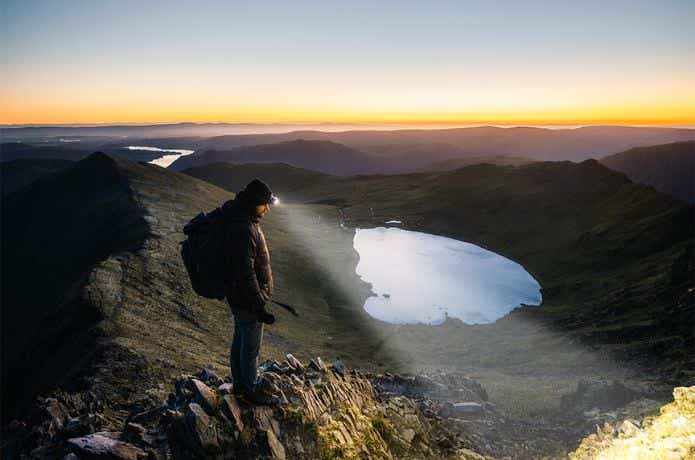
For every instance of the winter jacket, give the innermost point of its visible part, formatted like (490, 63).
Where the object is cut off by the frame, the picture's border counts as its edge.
(250, 278)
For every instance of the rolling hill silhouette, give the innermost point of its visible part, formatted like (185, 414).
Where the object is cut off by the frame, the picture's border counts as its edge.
(324, 156)
(415, 148)
(669, 168)
(535, 143)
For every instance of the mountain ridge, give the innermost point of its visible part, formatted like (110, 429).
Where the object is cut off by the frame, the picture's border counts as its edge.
(670, 168)
(143, 325)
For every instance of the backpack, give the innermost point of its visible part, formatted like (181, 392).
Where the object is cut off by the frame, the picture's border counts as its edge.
(203, 254)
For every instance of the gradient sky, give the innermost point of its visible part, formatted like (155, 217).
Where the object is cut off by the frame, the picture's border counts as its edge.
(430, 61)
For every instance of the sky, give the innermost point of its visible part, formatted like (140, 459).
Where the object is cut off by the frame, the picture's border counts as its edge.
(589, 62)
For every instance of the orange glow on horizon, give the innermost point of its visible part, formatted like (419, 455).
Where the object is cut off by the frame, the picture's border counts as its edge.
(60, 114)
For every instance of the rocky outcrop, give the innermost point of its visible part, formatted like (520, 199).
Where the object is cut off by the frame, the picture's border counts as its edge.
(322, 412)
(326, 410)
(668, 435)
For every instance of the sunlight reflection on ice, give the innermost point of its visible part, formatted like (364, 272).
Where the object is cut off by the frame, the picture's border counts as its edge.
(422, 278)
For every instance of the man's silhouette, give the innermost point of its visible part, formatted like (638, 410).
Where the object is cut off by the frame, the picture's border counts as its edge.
(250, 284)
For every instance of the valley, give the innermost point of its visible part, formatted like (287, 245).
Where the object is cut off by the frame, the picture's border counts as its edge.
(613, 261)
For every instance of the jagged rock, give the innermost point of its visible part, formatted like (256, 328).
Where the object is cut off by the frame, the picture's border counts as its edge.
(324, 414)
(150, 415)
(338, 367)
(57, 415)
(467, 454)
(268, 384)
(271, 446)
(668, 435)
(137, 434)
(199, 428)
(102, 445)
(271, 365)
(230, 407)
(294, 363)
(408, 434)
(317, 364)
(263, 420)
(205, 396)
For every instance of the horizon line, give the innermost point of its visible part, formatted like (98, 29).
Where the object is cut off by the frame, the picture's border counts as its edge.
(395, 124)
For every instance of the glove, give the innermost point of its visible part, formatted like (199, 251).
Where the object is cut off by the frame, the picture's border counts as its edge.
(265, 317)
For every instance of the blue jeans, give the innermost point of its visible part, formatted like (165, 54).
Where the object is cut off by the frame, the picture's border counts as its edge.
(243, 356)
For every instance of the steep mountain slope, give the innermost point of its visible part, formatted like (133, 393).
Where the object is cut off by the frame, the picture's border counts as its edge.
(323, 156)
(95, 293)
(17, 174)
(669, 168)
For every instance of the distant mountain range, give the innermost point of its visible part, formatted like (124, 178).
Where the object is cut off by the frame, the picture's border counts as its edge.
(536, 143)
(413, 147)
(324, 156)
(669, 168)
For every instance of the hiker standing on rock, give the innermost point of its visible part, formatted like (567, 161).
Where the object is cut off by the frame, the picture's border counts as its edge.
(249, 285)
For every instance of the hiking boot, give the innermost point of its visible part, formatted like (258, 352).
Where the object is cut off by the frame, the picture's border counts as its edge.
(260, 398)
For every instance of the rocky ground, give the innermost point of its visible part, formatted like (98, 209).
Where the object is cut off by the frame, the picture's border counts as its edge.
(668, 435)
(323, 412)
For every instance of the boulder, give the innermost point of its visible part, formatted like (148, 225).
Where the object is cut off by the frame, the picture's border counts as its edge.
(408, 434)
(137, 434)
(271, 446)
(230, 408)
(102, 445)
(461, 409)
(271, 365)
(263, 420)
(205, 396)
(199, 428)
(294, 363)
(225, 388)
(339, 367)
(317, 364)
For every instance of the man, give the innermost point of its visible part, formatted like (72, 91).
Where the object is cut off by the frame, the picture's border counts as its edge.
(250, 284)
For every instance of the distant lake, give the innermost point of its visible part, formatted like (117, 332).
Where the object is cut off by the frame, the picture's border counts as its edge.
(165, 160)
(423, 278)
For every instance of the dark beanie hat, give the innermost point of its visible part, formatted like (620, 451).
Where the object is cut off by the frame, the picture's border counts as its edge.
(257, 192)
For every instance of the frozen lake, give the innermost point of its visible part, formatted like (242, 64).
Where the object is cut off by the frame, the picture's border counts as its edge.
(165, 160)
(422, 278)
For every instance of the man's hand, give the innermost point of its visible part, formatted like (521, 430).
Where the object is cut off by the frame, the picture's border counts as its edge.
(265, 317)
